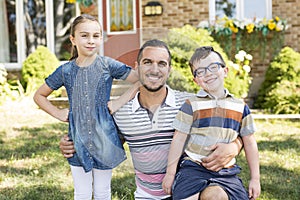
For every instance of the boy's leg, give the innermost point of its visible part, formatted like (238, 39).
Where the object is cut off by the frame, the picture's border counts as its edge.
(191, 179)
(213, 192)
(102, 184)
(82, 183)
(209, 193)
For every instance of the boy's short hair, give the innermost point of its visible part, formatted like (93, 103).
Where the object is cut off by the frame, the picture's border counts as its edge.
(201, 53)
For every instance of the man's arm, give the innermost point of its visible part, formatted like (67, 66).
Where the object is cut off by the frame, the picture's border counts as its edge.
(222, 154)
(66, 147)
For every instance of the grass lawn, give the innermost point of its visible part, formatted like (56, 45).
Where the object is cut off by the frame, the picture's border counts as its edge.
(31, 166)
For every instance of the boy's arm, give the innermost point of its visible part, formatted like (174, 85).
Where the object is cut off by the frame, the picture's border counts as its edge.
(40, 98)
(251, 152)
(115, 104)
(175, 153)
(222, 154)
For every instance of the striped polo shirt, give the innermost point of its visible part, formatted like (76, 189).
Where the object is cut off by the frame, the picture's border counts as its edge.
(209, 121)
(149, 138)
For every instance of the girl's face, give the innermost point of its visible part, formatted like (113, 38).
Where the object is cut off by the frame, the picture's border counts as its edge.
(87, 38)
(212, 82)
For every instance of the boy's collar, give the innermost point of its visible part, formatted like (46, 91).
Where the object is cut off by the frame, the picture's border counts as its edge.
(202, 93)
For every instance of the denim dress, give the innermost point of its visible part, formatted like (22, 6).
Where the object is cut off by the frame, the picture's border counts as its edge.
(91, 127)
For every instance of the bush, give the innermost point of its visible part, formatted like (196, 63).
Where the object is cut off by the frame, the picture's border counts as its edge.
(4, 86)
(37, 66)
(182, 43)
(9, 90)
(280, 92)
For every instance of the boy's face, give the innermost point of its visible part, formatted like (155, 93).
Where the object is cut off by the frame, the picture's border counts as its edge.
(212, 82)
(154, 68)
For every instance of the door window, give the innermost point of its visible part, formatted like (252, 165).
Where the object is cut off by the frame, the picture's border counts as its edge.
(8, 36)
(121, 16)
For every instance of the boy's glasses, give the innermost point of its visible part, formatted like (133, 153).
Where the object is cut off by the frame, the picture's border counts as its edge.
(213, 67)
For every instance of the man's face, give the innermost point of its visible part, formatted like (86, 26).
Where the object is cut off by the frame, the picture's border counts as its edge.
(154, 68)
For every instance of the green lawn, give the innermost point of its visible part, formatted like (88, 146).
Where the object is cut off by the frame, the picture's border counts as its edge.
(31, 166)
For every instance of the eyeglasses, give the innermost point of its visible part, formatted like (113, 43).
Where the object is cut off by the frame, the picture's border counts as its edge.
(213, 67)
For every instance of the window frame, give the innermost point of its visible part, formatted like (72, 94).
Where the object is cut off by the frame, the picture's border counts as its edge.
(239, 10)
(109, 32)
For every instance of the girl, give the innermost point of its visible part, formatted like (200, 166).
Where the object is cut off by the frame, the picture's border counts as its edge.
(88, 78)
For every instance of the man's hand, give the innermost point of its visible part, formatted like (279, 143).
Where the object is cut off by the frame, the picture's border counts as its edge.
(222, 154)
(66, 147)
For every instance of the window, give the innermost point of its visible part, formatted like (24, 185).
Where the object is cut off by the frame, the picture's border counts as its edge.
(240, 9)
(225, 7)
(121, 16)
(256, 9)
(63, 15)
(35, 24)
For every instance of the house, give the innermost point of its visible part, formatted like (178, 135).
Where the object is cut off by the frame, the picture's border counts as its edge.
(127, 23)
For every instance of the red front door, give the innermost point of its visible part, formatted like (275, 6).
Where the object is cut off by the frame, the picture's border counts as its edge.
(121, 26)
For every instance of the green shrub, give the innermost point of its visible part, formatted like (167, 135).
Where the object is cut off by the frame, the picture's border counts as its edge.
(182, 43)
(280, 92)
(9, 89)
(37, 66)
(4, 86)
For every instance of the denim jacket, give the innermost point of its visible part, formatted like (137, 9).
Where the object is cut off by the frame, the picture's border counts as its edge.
(91, 127)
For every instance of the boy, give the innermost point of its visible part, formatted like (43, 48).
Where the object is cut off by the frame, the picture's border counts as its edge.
(212, 116)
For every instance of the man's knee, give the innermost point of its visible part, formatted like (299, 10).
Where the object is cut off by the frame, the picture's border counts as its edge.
(213, 192)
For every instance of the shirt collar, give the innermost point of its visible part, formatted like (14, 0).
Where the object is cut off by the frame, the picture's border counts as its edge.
(202, 93)
(169, 100)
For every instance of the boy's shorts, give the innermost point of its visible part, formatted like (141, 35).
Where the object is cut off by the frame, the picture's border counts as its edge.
(193, 178)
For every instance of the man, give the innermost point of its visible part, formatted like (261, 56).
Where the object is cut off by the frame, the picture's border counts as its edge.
(145, 123)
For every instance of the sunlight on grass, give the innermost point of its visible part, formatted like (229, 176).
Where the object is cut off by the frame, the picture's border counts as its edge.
(32, 167)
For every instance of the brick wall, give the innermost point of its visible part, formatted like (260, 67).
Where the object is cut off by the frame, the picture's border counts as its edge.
(289, 10)
(177, 13)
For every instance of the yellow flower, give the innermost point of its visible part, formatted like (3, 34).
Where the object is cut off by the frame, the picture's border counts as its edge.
(234, 29)
(271, 25)
(229, 23)
(250, 28)
(277, 19)
(70, 1)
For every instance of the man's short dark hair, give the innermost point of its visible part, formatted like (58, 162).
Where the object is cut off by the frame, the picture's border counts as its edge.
(154, 43)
